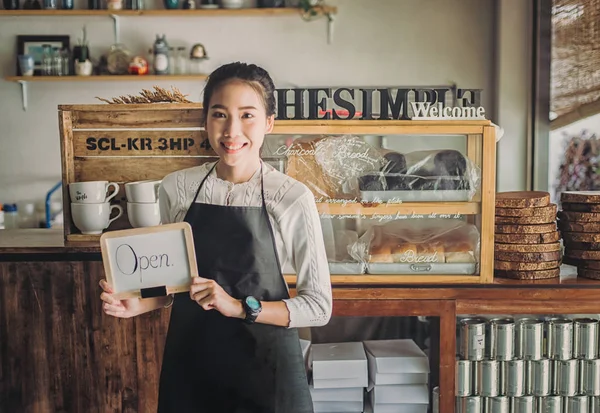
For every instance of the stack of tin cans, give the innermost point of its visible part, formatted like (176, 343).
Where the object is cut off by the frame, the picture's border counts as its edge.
(528, 365)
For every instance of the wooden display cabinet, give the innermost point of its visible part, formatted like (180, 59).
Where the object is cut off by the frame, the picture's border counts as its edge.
(124, 143)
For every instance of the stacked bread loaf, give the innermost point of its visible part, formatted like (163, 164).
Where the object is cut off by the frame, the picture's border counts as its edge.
(526, 241)
(579, 223)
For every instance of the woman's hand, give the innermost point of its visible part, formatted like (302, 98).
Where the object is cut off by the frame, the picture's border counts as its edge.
(119, 308)
(210, 296)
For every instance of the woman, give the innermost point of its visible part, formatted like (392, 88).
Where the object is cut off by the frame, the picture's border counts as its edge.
(232, 344)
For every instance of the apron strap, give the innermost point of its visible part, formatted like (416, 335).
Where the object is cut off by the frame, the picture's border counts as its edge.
(263, 206)
(202, 182)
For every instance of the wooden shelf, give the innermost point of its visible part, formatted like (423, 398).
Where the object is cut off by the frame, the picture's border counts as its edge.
(375, 280)
(103, 78)
(408, 208)
(280, 11)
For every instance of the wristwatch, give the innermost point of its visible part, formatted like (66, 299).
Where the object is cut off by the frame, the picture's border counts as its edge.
(252, 307)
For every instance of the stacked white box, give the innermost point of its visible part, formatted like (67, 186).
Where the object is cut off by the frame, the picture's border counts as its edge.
(339, 376)
(398, 376)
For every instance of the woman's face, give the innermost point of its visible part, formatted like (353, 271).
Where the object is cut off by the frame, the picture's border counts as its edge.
(236, 123)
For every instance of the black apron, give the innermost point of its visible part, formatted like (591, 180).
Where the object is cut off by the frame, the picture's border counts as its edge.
(214, 363)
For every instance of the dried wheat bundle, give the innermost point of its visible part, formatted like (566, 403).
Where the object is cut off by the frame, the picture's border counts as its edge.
(148, 96)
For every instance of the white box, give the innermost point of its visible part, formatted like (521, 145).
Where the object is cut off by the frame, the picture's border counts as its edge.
(396, 356)
(395, 378)
(352, 382)
(335, 361)
(338, 407)
(400, 394)
(350, 394)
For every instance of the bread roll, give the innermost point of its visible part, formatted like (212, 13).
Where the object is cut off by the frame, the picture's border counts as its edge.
(428, 253)
(381, 253)
(459, 252)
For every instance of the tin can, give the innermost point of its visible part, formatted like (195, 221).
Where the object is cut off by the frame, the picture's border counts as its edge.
(550, 404)
(475, 378)
(515, 378)
(489, 378)
(590, 384)
(463, 385)
(541, 377)
(594, 404)
(500, 339)
(586, 338)
(577, 404)
(559, 339)
(472, 338)
(499, 404)
(567, 377)
(530, 339)
(470, 404)
(436, 399)
(525, 404)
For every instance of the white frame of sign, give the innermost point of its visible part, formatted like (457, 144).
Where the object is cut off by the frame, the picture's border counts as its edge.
(154, 263)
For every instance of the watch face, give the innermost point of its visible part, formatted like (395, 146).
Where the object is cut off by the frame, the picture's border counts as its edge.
(252, 303)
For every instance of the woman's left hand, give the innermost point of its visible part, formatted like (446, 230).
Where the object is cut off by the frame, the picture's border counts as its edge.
(211, 296)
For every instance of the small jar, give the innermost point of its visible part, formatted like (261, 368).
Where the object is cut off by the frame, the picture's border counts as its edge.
(172, 59)
(181, 61)
(11, 216)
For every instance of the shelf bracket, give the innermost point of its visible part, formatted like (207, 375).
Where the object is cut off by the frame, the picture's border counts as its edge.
(23, 84)
(329, 28)
(115, 19)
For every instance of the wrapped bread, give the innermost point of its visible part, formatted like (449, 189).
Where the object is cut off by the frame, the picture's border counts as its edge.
(405, 252)
(459, 252)
(428, 253)
(381, 253)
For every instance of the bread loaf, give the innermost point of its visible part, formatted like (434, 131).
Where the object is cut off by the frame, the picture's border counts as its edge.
(549, 210)
(430, 253)
(527, 256)
(579, 216)
(525, 229)
(403, 253)
(582, 255)
(567, 206)
(527, 238)
(587, 227)
(528, 247)
(584, 246)
(522, 199)
(581, 236)
(580, 197)
(525, 266)
(381, 253)
(529, 275)
(588, 273)
(533, 220)
(461, 252)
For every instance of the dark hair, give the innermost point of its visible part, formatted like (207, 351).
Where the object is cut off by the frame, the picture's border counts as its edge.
(251, 74)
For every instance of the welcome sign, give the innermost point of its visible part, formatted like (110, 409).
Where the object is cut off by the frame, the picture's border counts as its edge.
(399, 103)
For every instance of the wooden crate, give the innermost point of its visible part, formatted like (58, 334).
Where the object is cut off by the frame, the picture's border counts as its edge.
(126, 143)
(168, 137)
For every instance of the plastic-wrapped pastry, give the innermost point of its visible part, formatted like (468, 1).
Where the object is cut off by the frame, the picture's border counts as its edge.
(459, 252)
(381, 253)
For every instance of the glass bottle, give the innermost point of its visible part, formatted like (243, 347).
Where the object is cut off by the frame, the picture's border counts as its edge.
(172, 59)
(66, 62)
(46, 60)
(181, 62)
(56, 62)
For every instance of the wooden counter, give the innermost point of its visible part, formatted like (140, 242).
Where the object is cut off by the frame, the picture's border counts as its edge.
(59, 353)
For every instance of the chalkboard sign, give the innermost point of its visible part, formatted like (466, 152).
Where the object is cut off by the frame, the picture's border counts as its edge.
(150, 261)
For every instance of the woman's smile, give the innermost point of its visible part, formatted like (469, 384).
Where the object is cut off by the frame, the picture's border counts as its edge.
(233, 148)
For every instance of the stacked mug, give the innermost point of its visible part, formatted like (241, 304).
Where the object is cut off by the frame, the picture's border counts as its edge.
(142, 203)
(90, 205)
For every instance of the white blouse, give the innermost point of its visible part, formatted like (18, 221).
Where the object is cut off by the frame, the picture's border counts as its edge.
(296, 226)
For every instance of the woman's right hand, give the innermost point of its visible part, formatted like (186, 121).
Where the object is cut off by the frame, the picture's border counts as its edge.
(119, 308)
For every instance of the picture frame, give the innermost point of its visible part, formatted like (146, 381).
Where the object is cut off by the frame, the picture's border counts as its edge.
(33, 45)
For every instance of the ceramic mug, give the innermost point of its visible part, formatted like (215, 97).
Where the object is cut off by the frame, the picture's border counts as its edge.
(143, 215)
(142, 191)
(26, 64)
(92, 192)
(92, 219)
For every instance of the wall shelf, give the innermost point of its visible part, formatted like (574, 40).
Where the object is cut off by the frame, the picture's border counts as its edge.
(280, 11)
(24, 80)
